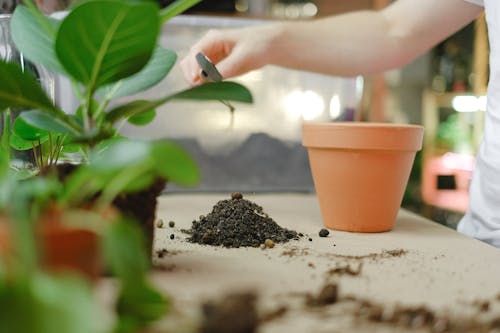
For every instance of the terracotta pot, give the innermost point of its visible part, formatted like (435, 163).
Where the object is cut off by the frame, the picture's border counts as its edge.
(360, 171)
(62, 248)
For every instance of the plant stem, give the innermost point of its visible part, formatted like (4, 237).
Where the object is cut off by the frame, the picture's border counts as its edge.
(87, 111)
(50, 158)
(41, 153)
(35, 155)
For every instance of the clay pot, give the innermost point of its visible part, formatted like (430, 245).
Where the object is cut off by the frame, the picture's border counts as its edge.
(360, 171)
(62, 248)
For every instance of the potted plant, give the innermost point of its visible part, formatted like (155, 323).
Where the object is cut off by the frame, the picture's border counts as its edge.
(108, 49)
(48, 243)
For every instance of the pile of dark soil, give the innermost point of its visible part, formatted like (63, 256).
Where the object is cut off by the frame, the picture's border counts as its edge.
(238, 222)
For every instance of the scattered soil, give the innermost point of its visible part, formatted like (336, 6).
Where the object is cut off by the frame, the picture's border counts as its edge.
(345, 268)
(407, 317)
(295, 251)
(372, 256)
(328, 295)
(166, 253)
(234, 313)
(237, 222)
(275, 314)
(323, 233)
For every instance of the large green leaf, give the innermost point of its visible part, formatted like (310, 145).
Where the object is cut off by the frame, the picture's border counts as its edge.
(175, 164)
(101, 42)
(52, 296)
(47, 122)
(21, 90)
(176, 8)
(26, 131)
(124, 248)
(21, 144)
(157, 68)
(121, 154)
(228, 91)
(34, 35)
(142, 119)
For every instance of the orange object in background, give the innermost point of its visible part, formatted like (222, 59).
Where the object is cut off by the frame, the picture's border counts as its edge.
(446, 179)
(360, 171)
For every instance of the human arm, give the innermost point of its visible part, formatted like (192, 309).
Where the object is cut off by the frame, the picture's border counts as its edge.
(355, 43)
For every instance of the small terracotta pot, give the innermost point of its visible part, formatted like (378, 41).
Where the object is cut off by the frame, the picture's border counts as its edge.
(360, 171)
(62, 248)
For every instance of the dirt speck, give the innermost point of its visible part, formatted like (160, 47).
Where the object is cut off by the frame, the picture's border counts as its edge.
(328, 295)
(233, 313)
(323, 233)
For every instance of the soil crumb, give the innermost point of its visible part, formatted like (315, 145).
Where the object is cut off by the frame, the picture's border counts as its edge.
(345, 268)
(328, 295)
(238, 222)
(234, 313)
(275, 314)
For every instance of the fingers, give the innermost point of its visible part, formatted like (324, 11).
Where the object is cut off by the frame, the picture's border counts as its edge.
(215, 45)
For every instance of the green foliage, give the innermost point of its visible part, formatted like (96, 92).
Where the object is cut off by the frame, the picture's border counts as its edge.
(115, 40)
(21, 90)
(45, 300)
(34, 34)
(108, 49)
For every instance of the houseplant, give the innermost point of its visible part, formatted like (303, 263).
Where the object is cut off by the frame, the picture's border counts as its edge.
(36, 283)
(108, 49)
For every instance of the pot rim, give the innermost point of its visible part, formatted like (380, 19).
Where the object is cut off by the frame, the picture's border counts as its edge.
(362, 135)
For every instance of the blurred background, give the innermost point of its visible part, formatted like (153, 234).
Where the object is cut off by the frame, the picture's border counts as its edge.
(260, 148)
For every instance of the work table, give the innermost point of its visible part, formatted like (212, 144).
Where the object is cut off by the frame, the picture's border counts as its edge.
(418, 263)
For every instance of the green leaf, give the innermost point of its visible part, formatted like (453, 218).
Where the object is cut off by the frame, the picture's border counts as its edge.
(47, 122)
(21, 90)
(142, 118)
(228, 91)
(26, 131)
(125, 251)
(176, 8)
(101, 42)
(175, 164)
(52, 296)
(138, 305)
(18, 143)
(157, 68)
(121, 154)
(6, 133)
(130, 109)
(34, 35)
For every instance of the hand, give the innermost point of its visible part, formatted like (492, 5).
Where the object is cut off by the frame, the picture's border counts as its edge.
(234, 51)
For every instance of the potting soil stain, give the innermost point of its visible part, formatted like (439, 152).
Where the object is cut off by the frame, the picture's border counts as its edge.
(238, 222)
